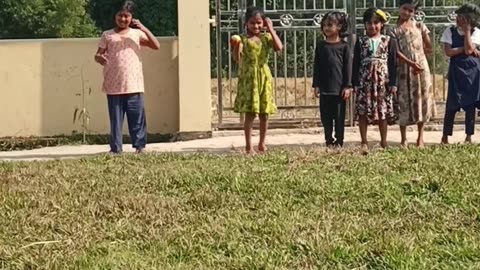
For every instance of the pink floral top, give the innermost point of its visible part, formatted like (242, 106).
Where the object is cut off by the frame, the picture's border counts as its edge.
(123, 73)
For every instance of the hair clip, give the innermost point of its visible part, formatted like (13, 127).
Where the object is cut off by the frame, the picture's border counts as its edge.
(381, 14)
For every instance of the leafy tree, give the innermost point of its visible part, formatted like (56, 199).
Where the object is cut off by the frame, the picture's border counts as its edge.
(45, 19)
(159, 16)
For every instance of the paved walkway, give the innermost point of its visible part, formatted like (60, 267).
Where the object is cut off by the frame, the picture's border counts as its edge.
(233, 141)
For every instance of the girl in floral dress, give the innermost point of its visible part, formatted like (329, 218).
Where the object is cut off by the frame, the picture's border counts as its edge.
(374, 77)
(255, 83)
(415, 93)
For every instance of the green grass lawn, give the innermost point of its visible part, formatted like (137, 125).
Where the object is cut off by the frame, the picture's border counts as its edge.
(287, 210)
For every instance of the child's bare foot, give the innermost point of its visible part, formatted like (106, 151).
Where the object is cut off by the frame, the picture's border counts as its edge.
(262, 148)
(140, 150)
(404, 144)
(364, 148)
(468, 139)
(249, 151)
(420, 144)
(384, 145)
(444, 140)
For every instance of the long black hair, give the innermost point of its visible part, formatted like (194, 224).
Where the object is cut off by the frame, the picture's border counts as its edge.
(472, 12)
(338, 18)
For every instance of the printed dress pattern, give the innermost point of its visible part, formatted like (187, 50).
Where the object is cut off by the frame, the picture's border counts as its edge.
(373, 98)
(415, 92)
(255, 82)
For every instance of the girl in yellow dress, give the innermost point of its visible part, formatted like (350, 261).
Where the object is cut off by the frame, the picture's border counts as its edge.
(255, 82)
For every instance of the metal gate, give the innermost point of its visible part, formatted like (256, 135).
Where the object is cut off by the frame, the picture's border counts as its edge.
(297, 24)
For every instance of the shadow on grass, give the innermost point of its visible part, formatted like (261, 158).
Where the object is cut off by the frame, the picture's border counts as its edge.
(29, 143)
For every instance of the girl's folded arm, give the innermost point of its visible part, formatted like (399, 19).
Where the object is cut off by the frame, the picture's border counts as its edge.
(451, 52)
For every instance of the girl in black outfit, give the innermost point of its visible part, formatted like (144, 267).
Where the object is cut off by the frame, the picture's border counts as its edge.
(332, 76)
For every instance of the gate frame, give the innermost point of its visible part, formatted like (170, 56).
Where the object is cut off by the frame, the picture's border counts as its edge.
(350, 7)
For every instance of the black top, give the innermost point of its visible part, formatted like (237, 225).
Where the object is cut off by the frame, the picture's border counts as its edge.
(332, 70)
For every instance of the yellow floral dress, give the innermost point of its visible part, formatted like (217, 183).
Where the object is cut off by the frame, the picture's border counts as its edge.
(255, 82)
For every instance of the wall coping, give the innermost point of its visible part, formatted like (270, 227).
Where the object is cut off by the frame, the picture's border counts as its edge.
(45, 40)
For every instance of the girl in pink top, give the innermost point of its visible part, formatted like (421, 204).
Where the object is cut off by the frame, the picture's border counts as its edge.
(119, 54)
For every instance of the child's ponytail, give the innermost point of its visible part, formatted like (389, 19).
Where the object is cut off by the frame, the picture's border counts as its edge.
(346, 25)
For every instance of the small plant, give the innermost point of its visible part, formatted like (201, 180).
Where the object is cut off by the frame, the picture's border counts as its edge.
(81, 113)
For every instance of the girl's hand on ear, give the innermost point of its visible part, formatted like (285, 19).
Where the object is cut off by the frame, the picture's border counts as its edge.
(137, 24)
(268, 24)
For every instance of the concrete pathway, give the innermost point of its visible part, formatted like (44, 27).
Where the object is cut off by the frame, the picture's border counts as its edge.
(224, 142)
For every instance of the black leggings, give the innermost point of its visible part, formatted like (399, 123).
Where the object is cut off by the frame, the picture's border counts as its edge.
(332, 113)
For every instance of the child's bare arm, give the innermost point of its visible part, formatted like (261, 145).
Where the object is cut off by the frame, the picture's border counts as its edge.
(277, 43)
(410, 62)
(100, 56)
(151, 40)
(427, 42)
(466, 26)
(451, 52)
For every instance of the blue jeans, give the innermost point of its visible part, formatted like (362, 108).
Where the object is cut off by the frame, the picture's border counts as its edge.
(133, 106)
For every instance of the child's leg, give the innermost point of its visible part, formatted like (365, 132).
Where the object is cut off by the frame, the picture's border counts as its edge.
(137, 125)
(116, 112)
(403, 134)
(248, 124)
(363, 124)
(383, 127)
(420, 127)
(448, 121)
(327, 114)
(469, 123)
(263, 132)
(340, 110)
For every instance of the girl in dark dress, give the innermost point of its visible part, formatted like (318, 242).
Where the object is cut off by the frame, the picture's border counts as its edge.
(460, 44)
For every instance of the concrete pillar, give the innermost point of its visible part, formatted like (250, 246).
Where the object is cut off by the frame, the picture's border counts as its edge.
(194, 68)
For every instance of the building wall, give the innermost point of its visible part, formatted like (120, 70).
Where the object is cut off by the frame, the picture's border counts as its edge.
(43, 82)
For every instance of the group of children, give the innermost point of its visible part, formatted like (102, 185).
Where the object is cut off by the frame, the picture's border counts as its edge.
(388, 74)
